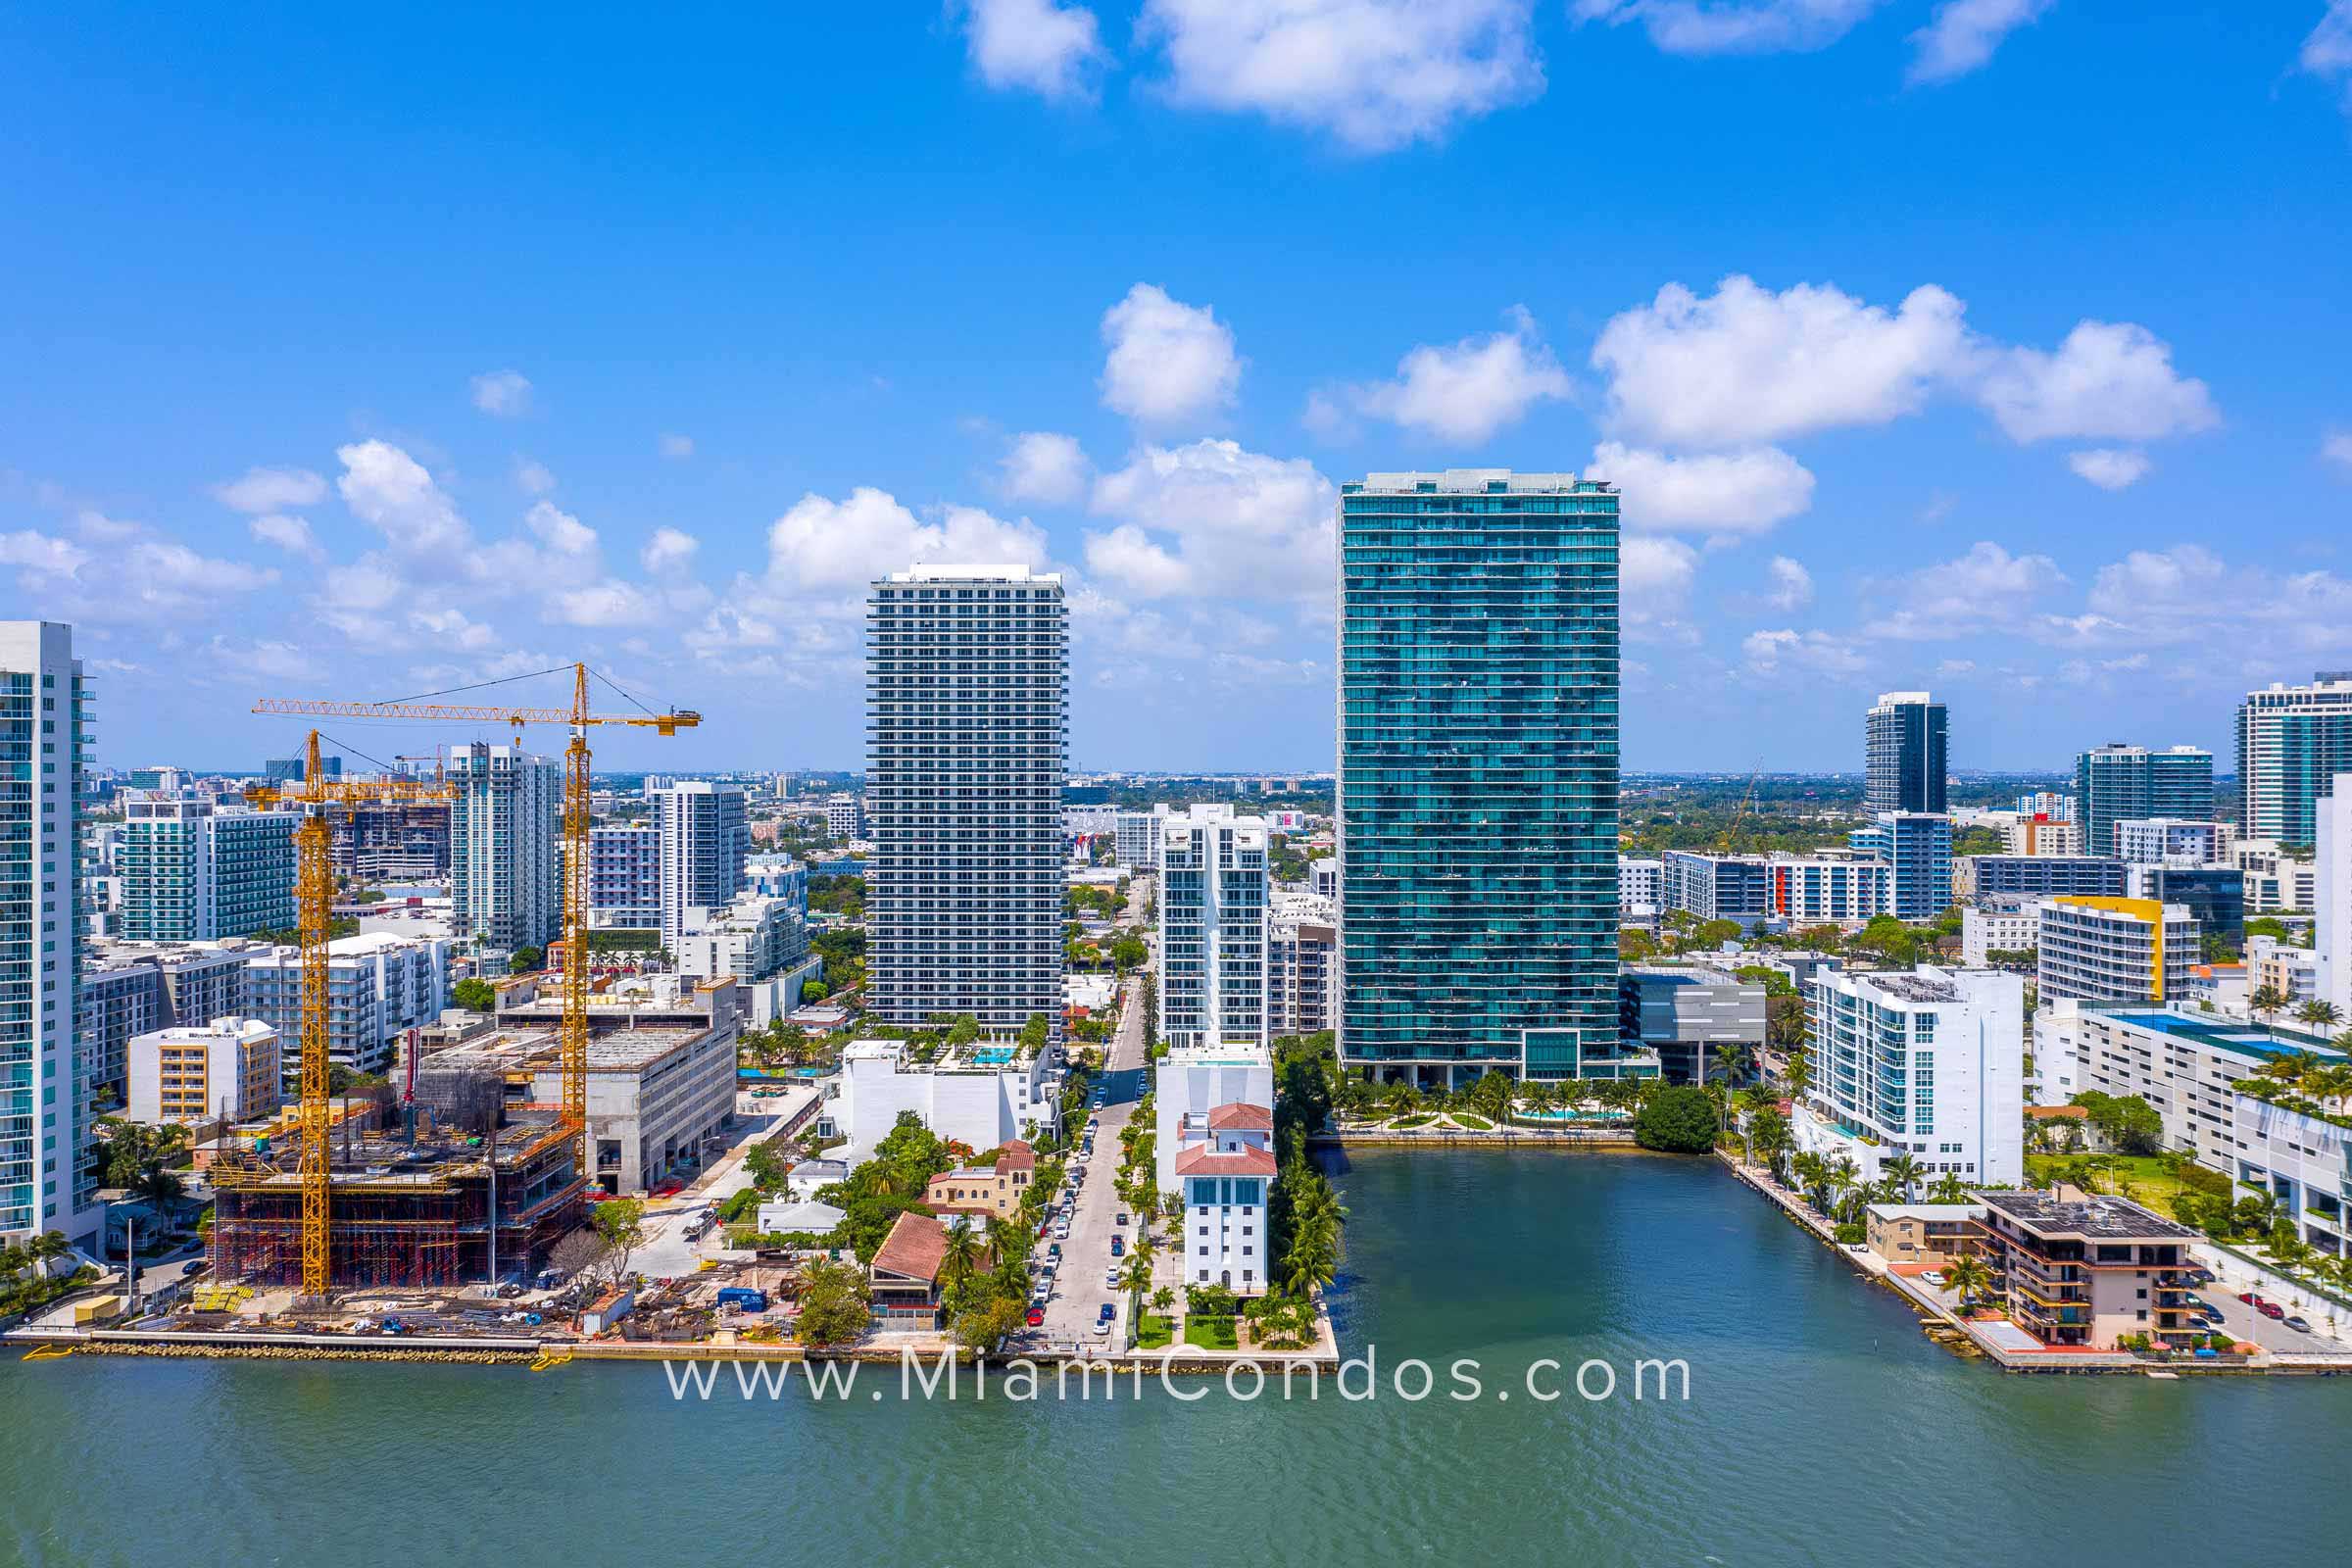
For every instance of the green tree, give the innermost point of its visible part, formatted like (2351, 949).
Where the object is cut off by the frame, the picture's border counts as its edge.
(524, 960)
(1680, 1119)
(474, 996)
(835, 1302)
(620, 1222)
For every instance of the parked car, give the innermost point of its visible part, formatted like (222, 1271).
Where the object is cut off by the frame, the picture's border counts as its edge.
(1036, 1317)
(2201, 1276)
(1104, 1328)
(1108, 1313)
(2298, 1325)
(1111, 1281)
(2249, 1298)
(1118, 1246)
(2271, 1310)
(1120, 1218)
(1052, 1249)
(1934, 1276)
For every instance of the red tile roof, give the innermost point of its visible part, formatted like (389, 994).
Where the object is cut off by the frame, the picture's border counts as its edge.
(1240, 1115)
(1016, 1155)
(1207, 1161)
(915, 1247)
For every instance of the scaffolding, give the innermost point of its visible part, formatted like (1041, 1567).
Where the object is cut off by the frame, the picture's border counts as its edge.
(424, 1213)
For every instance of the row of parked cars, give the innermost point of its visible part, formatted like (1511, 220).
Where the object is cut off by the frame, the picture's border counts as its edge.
(2273, 1311)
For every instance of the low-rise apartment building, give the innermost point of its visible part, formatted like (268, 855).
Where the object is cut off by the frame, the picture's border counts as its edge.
(2116, 949)
(1933, 1234)
(2088, 1272)
(993, 1191)
(227, 1068)
(1998, 924)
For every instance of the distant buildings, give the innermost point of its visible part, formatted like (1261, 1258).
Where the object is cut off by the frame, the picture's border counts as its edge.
(2038, 834)
(706, 837)
(624, 876)
(1640, 890)
(378, 987)
(1323, 877)
(1477, 797)
(1928, 1063)
(1212, 962)
(1905, 739)
(2041, 876)
(2001, 923)
(1683, 1014)
(504, 824)
(2146, 839)
(967, 742)
(1716, 887)
(45, 1178)
(2116, 783)
(1135, 837)
(194, 869)
(845, 818)
(1916, 848)
(2215, 895)
(1302, 965)
(391, 841)
(228, 1068)
(762, 942)
(2116, 949)
(2293, 741)
(1826, 890)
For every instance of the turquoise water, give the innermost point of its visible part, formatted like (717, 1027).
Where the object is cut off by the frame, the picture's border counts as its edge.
(1820, 1428)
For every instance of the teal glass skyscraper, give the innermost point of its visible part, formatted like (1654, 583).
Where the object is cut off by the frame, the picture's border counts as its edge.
(1478, 774)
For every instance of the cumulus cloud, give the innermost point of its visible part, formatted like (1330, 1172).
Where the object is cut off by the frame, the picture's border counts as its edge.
(1375, 75)
(271, 490)
(386, 488)
(506, 394)
(559, 530)
(1724, 492)
(1465, 392)
(1654, 577)
(1731, 27)
(1050, 49)
(2110, 469)
(669, 550)
(1213, 518)
(827, 544)
(138, 576)
(2107, 379)
(1820, 653)
(2336, 447)
(1045, 467)
(1963, 34)
(1745, 365)
(532, 477)
(1984, 588)
(1791, 584)
(1169, 362)
(609, 603)
(290, 534)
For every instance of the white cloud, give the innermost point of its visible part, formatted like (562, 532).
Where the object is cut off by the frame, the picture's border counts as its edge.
(669, 550)
(1724, 492)
(827, 544)
(1984, 588)
(290, 534)
(385, 487)
(1465, 392)
(1731, 27)
(2110, 469)
(1374, 74)
(2336, 447)
(504, 393)
(41, 555)
(1213, 518)
(609, 603)
(2107, 379)
(678, 447)
(1791, 584)
(1746, 365)
(1770, 653)
(559, 530)
(271, 490)
(139, 576)
(532, 477)
(1169, 362)
(1964, 33)
(263, 659)
(1045, 467)
(1653, 578)
(1052, 50)
(2327, 52)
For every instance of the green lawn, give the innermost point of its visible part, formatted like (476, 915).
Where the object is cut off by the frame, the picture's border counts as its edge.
(1212, 1333)
(1416, 1120)
(2142, 1177)
(1151, 1332)
(1477, 1124)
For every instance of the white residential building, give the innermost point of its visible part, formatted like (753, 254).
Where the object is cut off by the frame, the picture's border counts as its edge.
(845, 818)
(378, 987)
(1135, 838)
(229, 1067)
(2037, 833)
(967, 745)
(2001, 923)
(778, 877)
(1302, 965)
(2276, 881)
(624, 876)
(2116, 949)
(2292, 972)
(1191, 1082)
(1225, 1168)
(1826, 889)
(706, 837)
(503, 828)
(763, 943)
(2331, 896)
(980, 1096)
(196, 868)
(1212, 962)
(1641, 889)
(1323, 877)
(2173, 840)
(1931, 1063)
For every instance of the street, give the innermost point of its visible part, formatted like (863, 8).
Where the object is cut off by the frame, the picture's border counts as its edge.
(1079, 1291)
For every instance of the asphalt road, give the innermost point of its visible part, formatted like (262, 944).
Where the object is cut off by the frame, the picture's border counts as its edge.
(1079, 1291)
(2243, 1322)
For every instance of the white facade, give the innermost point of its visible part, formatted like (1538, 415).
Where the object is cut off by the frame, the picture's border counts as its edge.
(1302, 965)
(2035, 833)
(1212, 962)
(1189, 1083)
(844, 816)
(2331, 896)
(2276, 881)
(962, 1095)
(196, 868)
(1931, 1063)
(705, 840)
(751, 938)
(624, 876)
(229, 1066)
(2116, 949)
(967, 743)
(2176, 839)
(1826, 889)
(378, 987)
(2291, 971)
(1323, 877)
(1135, 838)
(1641, 889)
(1998, 924)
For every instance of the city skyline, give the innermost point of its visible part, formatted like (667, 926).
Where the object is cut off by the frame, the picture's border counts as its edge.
(609, 401)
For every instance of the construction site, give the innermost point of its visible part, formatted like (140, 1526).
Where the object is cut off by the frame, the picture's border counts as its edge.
(441, 1207)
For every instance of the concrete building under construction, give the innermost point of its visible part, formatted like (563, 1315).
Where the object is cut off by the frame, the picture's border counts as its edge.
(438, 1208)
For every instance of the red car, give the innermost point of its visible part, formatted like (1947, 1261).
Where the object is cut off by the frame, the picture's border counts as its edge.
(1036, 1318)
(2249, 1298)
(669, 1188)
(2271, 1310)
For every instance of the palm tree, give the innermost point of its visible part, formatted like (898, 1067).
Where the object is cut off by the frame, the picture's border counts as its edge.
(2264, 1003)
(961, 1256)
(1903, 1172)
(1730, 1062)
(1812, 1179)
(1969, 1276)
(1949, 1189)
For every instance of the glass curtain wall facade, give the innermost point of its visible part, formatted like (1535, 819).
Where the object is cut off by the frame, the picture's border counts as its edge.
(2292, 743)
(2117, 782)
(1478, 652)
(502, 829)
(968, 736)
(1904, 754)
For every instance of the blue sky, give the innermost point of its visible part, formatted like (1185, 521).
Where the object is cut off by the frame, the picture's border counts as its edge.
(1994, 346)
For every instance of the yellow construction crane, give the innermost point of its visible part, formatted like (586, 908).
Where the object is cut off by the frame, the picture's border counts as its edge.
(1748, 798)
(315, 903)
(577, 808)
